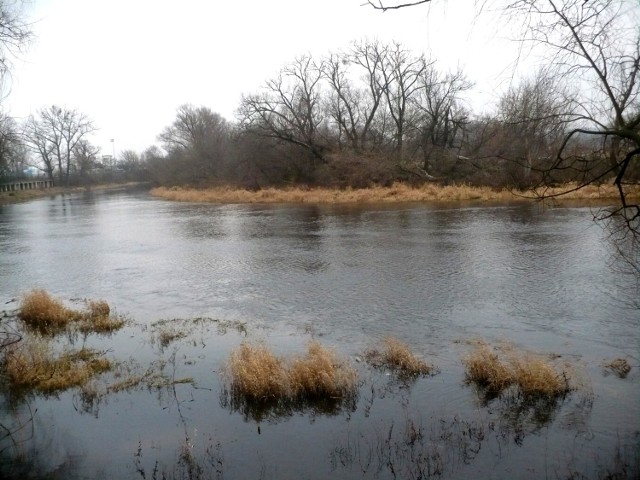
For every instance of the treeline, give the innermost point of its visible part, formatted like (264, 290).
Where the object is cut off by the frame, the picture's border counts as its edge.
(371, 114)
(377, 113)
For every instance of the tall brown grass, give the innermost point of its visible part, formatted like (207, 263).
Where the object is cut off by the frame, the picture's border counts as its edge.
(532, 375)
(321, 373)
(398, 192)
(397, 355)
(39, 310)
(254, 372)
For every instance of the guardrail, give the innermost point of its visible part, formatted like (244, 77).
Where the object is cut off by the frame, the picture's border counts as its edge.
(27, 184)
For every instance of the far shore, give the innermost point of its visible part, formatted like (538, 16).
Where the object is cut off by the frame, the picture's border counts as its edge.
(397, 193)
(26, 195)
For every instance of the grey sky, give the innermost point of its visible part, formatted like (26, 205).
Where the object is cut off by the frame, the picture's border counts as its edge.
(130, 63)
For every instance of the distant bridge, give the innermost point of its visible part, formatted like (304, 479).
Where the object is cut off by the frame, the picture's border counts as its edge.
(27, 184)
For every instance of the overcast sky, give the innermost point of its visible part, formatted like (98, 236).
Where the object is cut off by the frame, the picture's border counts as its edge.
(129, 64)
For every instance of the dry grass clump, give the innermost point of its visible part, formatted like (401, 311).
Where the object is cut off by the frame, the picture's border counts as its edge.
(487, 370)
(396, 355)
(533, 376)
(33, 365)
(256, 373)
(41, 311)
(536, 377)
(619, 366)
(321, 373)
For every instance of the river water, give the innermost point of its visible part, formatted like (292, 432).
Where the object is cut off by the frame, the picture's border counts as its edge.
(437, 277)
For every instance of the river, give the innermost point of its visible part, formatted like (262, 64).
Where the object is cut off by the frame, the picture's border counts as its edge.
(437, 277)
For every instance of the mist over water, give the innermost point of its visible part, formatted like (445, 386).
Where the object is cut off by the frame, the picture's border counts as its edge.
(436, 277)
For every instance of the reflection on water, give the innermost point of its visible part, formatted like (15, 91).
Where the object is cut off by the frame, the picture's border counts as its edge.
(347, 276)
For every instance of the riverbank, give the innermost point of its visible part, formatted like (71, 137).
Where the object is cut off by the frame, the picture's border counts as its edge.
(394, 194)
(26, 195)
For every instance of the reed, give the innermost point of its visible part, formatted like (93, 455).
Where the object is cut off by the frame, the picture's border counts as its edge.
(397, 355)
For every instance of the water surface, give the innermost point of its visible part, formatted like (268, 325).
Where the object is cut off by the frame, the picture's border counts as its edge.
(544, 279)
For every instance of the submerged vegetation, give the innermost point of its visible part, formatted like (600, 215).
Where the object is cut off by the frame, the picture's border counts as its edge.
(33, 364)
(619, 366)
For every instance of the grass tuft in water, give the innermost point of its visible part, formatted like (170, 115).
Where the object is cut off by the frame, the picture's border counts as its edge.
(321, 373)
(533, 376)
(46, 314)
(255, 373)
(619, 366)
(34, 365)
(397, 355)
(41, 311)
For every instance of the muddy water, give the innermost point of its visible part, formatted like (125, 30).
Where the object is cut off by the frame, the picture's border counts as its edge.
(435, 277)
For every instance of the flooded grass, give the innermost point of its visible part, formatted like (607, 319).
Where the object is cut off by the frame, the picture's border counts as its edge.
(256, 373)
(398, 192)
(321, 373)
(619, 366)
(397, 356)
(33, 364)
(532, 375)
(41, 311)
(46, 314)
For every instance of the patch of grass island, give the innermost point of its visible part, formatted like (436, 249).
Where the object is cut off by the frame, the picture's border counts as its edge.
(396, 193)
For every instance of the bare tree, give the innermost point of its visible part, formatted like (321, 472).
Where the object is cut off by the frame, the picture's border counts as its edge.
(12, 154)
(289, 109)
(440, 114)
(15, 33)
(380, 5)
(85, 157)
(595, 44)
(197, 141)
(53, 134)
(534, 115)
(401, 73)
